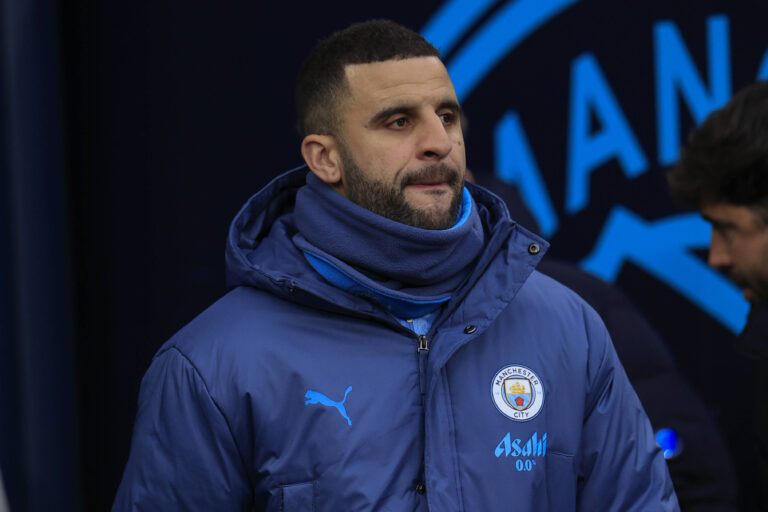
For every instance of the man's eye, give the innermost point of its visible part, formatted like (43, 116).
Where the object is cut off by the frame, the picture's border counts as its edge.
(447, 117)
(400, 122)
(726, 232)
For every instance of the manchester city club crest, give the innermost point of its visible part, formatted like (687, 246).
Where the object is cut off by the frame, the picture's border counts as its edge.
(517, 392)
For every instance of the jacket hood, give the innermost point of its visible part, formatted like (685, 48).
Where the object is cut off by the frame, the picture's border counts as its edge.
(260, 251)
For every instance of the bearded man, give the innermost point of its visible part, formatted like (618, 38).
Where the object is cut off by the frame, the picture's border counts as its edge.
(387, 343)
(723, 172)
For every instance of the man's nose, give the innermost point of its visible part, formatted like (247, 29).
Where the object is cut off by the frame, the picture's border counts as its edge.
(436, 142)
(719, 254)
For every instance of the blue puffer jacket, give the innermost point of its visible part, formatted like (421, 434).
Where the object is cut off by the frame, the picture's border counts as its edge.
(289, 394)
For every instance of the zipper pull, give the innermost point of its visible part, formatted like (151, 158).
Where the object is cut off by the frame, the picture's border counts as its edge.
(423, 343)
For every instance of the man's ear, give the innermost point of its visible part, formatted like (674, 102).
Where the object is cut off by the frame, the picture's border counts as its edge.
(321, 153)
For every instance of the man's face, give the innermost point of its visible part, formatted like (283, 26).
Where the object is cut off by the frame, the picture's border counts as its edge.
(401, 146)
(739, 246)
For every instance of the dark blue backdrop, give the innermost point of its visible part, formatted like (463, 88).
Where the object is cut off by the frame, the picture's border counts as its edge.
(38, 439)
(132, 133)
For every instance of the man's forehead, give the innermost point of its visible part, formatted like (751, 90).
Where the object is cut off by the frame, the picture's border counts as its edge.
(723, 212)
(417, 75)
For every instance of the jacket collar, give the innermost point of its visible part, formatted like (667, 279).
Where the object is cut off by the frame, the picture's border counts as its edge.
(260, 253)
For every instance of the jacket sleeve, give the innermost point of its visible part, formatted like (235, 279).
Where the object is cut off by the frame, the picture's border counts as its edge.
(703, 472)
(621, 467)
(183, 455)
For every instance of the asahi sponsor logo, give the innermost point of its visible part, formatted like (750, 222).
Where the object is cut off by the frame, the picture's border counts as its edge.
(525, 451)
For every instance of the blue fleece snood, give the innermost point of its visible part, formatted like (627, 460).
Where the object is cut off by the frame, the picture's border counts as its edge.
(371, 255)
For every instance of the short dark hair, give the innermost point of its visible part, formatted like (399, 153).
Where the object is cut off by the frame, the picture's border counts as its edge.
(727, 156)
(322, 78)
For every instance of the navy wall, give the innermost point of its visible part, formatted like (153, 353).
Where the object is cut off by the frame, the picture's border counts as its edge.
(173, 113)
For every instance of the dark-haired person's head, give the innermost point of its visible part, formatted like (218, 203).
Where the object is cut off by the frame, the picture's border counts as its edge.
(723, 172)
(380, 123)
(322, 86)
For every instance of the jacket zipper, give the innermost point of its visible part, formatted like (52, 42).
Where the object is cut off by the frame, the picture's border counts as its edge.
(423, 354)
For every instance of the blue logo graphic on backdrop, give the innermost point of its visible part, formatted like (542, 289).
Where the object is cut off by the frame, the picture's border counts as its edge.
(315, 397)
(663, 247)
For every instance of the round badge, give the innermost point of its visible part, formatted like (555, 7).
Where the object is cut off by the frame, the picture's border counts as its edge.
(517, 392)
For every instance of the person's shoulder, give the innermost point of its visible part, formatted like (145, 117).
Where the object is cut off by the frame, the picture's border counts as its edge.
(553, 296)
(242, 321)
(558, 310)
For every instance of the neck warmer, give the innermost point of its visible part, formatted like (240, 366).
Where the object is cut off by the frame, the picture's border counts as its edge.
(408, 270)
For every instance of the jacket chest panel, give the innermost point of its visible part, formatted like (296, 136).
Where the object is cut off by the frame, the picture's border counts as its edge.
(342, 412)
(521, 408)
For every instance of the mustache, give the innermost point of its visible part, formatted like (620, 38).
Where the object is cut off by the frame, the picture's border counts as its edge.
(433, 173)
(736, 277)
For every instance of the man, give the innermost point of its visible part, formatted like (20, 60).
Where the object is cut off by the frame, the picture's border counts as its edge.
(387, 344)
(724, 173)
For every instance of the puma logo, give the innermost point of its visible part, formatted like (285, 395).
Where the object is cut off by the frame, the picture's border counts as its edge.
(315, 397)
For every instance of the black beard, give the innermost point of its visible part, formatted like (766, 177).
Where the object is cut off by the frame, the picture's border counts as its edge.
(758, 284)
(390, 202)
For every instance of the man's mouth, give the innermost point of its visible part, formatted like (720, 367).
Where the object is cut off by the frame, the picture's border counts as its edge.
(746, 289)
(435, 177)
(428, 184)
